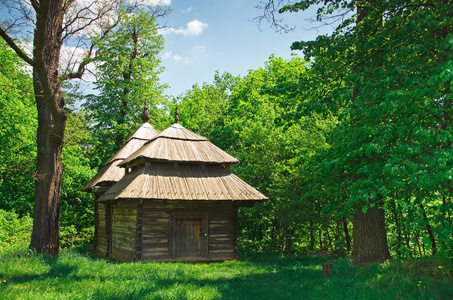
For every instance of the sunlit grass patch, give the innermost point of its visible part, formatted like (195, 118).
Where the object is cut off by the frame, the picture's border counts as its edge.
(73, 275)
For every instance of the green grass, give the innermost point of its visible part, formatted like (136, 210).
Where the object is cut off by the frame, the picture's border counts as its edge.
(74, 275)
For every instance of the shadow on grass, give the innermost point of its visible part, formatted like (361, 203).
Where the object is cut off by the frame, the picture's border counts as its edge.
(253, 276)
(54, 270)
(240, 280)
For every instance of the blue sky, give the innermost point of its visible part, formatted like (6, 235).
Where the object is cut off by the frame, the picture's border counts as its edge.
(210, 35)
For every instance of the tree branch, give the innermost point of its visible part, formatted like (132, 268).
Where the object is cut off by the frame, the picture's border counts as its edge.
(35, 4)
(79, 73)
(81, 69)
(270, 9)
(16, 48)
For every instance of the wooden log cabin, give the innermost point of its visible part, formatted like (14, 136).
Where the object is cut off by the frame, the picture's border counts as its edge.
(178, 201)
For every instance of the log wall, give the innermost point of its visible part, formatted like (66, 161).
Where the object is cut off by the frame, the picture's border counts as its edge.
(223, 233)
(132, 230)
(124, 229)
(221, 236)
(100, 229)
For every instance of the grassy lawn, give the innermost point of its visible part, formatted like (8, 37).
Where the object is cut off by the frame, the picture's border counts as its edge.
(75, 275)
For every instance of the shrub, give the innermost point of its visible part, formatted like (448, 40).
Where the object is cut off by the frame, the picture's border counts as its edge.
(15, 232)
(70, 237)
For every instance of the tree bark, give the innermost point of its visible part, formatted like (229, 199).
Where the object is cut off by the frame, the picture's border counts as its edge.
(429, 229)
(312, 236)
(49, 170)
(369, 236)
(346, 234)
(51, 127)
(397, 228)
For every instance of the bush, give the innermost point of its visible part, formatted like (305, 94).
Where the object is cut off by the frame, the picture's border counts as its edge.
(15, 232)
(70, 237)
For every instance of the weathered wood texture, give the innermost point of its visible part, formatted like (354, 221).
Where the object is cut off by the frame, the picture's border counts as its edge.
(162, 181)
(177, 202)
(188, 237)
(143, 134)
(177, 143)
(110, 172)
(220, 241)
(169, 231)
(139, 232)
(96, 224)
(108, 227)
(107, 175)
(103, 228)
(100, 229)
(124, 228)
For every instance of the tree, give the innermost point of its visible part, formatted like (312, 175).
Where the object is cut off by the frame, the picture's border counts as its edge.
(54, 23)
(201, 108)
(17, 140)
(127, 69)
(77, 207)
(393, 93)
(254, 119)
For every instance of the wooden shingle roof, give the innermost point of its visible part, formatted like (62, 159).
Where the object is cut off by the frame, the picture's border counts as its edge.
(178, 164)
(163, 181)
(107, 175)
(143, 134)
(178, 144)
(111, 172)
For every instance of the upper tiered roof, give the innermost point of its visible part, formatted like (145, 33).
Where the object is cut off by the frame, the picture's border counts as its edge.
(110, 172)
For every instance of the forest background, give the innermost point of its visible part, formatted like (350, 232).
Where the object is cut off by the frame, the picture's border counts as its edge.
(355, 136)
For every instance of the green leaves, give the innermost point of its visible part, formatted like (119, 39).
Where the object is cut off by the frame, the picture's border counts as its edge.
(77, 207)
(395, 136)
(201, 108)
(18, 122)
(14, 231)
(127, 73)
(259, 120)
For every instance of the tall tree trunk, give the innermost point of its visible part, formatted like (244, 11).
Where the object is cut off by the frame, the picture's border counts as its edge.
(51, 126)
(49, 170)
(369, 233)
(369, 236)
(417, 245)
(429, 229)
(329, 239)
(321, 247)
(446, 213)
(397, 227)
(346, 234)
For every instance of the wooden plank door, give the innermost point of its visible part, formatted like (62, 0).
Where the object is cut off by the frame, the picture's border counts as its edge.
(189, 236)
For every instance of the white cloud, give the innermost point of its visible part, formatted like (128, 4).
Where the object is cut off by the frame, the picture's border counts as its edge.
(186, 11)
(70, 59)
(177, 58)
(200, 49)
(194, 27)
(168, 55)
(160, 2)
